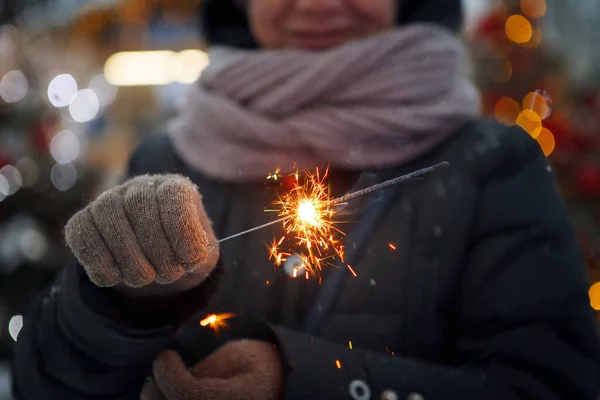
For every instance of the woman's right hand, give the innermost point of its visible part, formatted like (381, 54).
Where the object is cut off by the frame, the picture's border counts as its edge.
(148, 235)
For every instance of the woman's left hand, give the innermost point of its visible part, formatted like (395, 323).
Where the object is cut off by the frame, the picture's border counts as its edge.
(239, 370)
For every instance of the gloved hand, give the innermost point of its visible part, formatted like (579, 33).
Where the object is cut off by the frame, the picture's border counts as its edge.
(151, 231)
(239, 370)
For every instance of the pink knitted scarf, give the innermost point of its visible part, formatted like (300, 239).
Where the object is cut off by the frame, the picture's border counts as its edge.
(376, 102)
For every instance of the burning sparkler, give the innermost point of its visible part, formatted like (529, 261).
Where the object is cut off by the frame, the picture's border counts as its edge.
(307, 213)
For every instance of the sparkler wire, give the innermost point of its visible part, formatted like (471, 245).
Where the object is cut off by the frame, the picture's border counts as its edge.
(349, 196)
(388, 183)
(256, 228)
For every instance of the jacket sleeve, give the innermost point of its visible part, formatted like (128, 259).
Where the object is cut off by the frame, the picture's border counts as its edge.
(80, 341)
(70, 346)
(523, 327)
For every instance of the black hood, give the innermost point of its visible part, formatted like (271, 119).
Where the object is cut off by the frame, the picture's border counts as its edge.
(223, 23)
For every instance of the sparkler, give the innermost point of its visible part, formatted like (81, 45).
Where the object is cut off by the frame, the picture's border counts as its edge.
(306, 213)
(307, 216)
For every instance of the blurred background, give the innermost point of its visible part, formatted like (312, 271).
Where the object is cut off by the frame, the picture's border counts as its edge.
(83, 81)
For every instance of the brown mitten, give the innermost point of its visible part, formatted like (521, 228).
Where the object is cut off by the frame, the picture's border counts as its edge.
(239, 370)
(148, 232)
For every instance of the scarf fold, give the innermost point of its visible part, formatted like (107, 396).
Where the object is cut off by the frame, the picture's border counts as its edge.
(371, 103)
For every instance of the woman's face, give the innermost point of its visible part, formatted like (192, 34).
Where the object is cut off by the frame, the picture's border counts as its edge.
(318, 24)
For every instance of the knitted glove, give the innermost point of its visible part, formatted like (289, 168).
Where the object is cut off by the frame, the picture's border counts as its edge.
(239, 370)
(151, 230)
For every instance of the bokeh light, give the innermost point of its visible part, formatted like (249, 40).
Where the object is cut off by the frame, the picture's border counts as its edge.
(33, 244)
(139, 68)
(63, 176)
(529, 121)
(105, 91)
(85, 106)
(538, 103)
(188, 65)
(507, 110)
(65, 147)
(61, 90)
(518, 29)
(4, 188)
(14, 326)
(534, 8)
(162, 67)
(13, 87)
(501, 71)
(13, 177)
(545, 138)
(594, 294)
(30, 172)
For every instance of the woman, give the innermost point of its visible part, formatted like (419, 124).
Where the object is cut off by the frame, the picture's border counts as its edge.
(484, 296)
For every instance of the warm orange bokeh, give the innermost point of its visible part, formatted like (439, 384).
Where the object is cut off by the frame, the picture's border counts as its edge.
(507, 110)
(534, 8)
(518, 29)
(545, 138)
(529, 121)
(537, 103)
(595, 296)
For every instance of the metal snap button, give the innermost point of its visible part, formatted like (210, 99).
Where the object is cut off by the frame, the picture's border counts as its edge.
(359, 390)
(293, 263)
(389, 395)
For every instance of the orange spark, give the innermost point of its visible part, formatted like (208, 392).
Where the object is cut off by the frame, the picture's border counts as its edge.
(351, 270)
(392, 246)
(275, 175)
(268, 282)
(338, 364)
(274, 253)
(307, 215)
(215, 321)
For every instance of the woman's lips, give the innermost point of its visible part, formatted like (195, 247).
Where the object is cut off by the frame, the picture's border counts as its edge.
(320, 40)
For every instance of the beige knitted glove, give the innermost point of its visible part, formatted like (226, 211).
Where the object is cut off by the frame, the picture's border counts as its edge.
(239, 370)
(149, 231)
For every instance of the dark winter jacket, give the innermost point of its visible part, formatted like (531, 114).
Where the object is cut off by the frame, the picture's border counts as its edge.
(483, 298)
